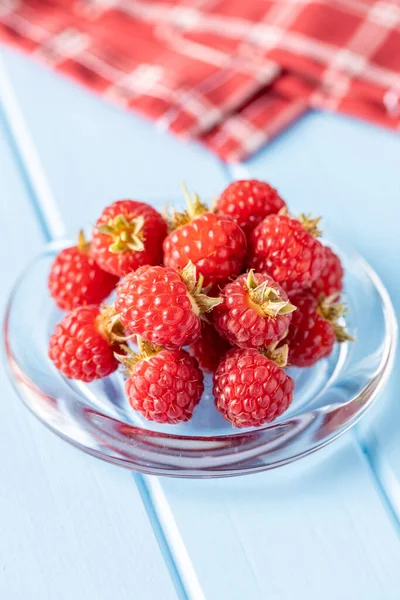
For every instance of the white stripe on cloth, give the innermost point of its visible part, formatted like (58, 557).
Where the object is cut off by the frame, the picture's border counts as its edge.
(250, 138)
(8, 6)
(192, 100)
(25, 28)
(349, 62)
(66, 44)
(264, 74)
(273, 34)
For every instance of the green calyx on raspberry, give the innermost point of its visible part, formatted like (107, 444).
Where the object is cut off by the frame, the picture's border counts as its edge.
(265, 300)
(195, 208)
(125, 234)
(332, 311)
(83, 245)
(108, 324)
(278, 354)
(130, 359)
(201, 303)
(310, 224)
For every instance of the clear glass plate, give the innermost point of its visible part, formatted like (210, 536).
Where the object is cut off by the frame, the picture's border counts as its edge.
(329, 398)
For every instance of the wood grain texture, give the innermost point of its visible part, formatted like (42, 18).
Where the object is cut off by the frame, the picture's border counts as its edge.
(313, 529)
(70, 527)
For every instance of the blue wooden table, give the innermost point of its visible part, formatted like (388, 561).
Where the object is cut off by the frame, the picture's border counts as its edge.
(73, 528)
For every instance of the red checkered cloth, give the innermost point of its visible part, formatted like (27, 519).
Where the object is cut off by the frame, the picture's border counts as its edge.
(230, 73)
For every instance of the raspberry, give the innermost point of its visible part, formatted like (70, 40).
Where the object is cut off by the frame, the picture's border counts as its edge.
(215, 290)
(81, 348)
(209, 348)
(127, 235)
(76, 280)
(249, 202)
(331, 279)
(214, 243)
(313, 330)
(286, 248)
(255, 311)
(250, 389)
(164, 385)
(163, 306)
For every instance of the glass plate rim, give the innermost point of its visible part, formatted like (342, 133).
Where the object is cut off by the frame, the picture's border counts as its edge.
(372, 388)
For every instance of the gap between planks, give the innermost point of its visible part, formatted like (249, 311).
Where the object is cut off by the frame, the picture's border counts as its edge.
(52, 227)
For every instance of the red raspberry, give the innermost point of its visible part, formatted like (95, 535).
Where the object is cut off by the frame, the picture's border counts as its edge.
(285, 248)
(313, 330)
(163, 306)
(209, 348)
(76, 280)
(80, 347)
(249, 202)
(215, 290)
(127, 235)
(255, 311)
(164, 385)
(215, 244)
(250, 389)
(331, 279)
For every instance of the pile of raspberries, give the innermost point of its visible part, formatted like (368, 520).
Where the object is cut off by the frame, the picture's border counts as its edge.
(240, 290)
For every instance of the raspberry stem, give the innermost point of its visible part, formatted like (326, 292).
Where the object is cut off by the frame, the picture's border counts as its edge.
(83, 245)
(332, 311)
(341, 334)
(265, 300)
(278, 355)
(310, 224)
(131, 358)
(201, 303)
(195, 208)
(126, 234)
(109, 325)
(147, 349)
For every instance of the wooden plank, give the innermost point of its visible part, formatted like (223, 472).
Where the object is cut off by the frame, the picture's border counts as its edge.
(232, 538)
(88, 144)
(70, 527)
(349, 172)
(313, 529)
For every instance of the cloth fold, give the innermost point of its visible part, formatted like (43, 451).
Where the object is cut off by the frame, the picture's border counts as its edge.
(229, 73)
